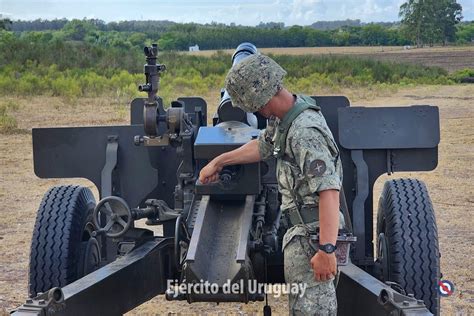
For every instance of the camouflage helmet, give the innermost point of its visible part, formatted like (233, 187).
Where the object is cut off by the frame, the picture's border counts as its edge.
(253, 82)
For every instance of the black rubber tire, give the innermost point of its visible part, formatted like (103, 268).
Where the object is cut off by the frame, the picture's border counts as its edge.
(61, 229)
(406, 218)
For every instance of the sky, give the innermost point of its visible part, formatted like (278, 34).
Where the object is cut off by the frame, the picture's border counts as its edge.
(244, 12)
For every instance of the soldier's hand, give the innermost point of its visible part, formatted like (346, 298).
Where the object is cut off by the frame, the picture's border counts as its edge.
(324, 266)
(210, 173)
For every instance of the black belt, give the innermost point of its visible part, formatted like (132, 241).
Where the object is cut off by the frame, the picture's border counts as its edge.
(303, 215)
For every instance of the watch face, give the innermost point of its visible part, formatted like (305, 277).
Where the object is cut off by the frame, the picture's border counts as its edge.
(328, 248)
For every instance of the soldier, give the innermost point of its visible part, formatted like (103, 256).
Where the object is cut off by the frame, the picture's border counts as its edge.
(309, 176)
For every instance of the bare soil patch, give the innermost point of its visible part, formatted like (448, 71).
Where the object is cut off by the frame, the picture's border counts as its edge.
(449, 58)
(450, 187)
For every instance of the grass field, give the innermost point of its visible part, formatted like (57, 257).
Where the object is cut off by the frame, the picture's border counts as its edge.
(449, 58)
(450, 186)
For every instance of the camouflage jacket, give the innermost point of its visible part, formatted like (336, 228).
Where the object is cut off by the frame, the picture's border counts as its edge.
(311, 162)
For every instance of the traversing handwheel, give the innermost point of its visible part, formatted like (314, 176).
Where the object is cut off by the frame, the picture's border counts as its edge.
(112, 216)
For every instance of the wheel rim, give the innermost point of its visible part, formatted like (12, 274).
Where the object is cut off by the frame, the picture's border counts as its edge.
(180, 235)
(382, 256)
(91, 256)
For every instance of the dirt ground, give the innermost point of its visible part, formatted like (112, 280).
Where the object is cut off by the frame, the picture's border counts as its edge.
(449, 58)
(450, 187)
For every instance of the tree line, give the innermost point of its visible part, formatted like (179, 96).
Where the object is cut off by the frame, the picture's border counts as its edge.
(179, 36)
(422, 22)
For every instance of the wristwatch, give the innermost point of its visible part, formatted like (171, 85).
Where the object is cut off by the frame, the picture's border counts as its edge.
(328, 248)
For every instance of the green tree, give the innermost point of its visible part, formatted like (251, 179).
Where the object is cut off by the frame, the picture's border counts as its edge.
(374, 34)
(450, 14)
(167, 42)
(77, 30)
(341, 37)
(465, 33)
(411, 13)
(430, 21)
(5, 24)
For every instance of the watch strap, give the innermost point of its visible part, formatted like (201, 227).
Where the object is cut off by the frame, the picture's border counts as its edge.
(328, 248)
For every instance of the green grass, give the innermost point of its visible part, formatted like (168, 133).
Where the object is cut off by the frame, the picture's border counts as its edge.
(198, 73)
(458, 76)
(8, 123)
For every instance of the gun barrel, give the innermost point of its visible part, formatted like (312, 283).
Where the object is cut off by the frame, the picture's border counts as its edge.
(225, 110)
(243, 51)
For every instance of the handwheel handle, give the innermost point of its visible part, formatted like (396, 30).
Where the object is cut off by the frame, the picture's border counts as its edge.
(117, 214)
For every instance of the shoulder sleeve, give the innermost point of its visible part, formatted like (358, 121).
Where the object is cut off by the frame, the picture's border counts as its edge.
(317, 157)
(265, 147)
(266, 139)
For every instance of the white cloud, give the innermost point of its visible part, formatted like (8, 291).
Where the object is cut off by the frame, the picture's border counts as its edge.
(247, 12)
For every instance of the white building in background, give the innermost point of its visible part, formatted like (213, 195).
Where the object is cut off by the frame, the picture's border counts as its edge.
(194, 48)
(5, 15)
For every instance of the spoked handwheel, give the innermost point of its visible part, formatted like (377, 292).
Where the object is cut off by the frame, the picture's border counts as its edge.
(112, 216)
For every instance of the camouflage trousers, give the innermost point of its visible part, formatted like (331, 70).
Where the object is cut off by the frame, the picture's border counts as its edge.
(319, 297)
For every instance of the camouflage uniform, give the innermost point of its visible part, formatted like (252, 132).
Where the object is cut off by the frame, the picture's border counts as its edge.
(311, 164)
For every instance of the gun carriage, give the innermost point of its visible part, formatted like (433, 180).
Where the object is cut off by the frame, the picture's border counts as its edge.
(90, 258)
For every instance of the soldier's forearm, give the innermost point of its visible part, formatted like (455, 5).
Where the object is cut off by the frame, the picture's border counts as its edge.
(328, 216)
(247, 153)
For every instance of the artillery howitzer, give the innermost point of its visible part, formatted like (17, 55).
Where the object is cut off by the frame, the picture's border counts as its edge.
(89, 259)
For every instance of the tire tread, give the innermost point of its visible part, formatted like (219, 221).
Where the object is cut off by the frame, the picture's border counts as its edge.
(408, 221)
(57, 236)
